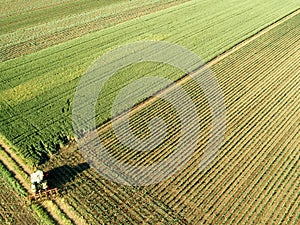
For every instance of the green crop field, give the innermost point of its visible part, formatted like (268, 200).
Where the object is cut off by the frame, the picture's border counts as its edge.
(251, 47)
(37, 120)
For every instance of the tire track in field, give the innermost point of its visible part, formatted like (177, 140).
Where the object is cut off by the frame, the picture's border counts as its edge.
(56, 208)
(188, 77)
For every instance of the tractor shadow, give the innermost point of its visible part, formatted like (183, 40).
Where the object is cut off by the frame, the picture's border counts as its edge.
(62, 177)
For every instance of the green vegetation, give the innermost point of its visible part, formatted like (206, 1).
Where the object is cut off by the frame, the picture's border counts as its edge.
(10, 180)
(43, 215)
(36, 90)
(55, 12)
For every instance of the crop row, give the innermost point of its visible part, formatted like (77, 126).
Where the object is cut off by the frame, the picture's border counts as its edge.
(129, 154)
(242, 89)
(99, 201)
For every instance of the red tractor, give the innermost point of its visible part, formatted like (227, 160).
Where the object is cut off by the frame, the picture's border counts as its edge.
(39, 187)
(38, 181)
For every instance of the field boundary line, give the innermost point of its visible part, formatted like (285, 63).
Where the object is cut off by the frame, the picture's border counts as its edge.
(187, 77)
(253, 37)
(50, 206)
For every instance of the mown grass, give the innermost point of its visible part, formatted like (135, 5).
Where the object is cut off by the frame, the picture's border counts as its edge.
(36, 90)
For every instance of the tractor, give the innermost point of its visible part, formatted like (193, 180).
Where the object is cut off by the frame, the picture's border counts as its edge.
(38, 181)
(39, 187)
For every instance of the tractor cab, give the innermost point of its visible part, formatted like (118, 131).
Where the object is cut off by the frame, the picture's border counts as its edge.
(39, 187)
(38, 181)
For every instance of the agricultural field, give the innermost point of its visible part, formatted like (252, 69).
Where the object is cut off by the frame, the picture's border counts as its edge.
(252, 49)
(11, 203)
(37, 121)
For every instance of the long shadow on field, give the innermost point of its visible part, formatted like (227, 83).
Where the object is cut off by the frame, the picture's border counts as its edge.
(62, 176)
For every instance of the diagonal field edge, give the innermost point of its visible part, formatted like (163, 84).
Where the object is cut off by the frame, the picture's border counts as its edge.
(107, 125)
